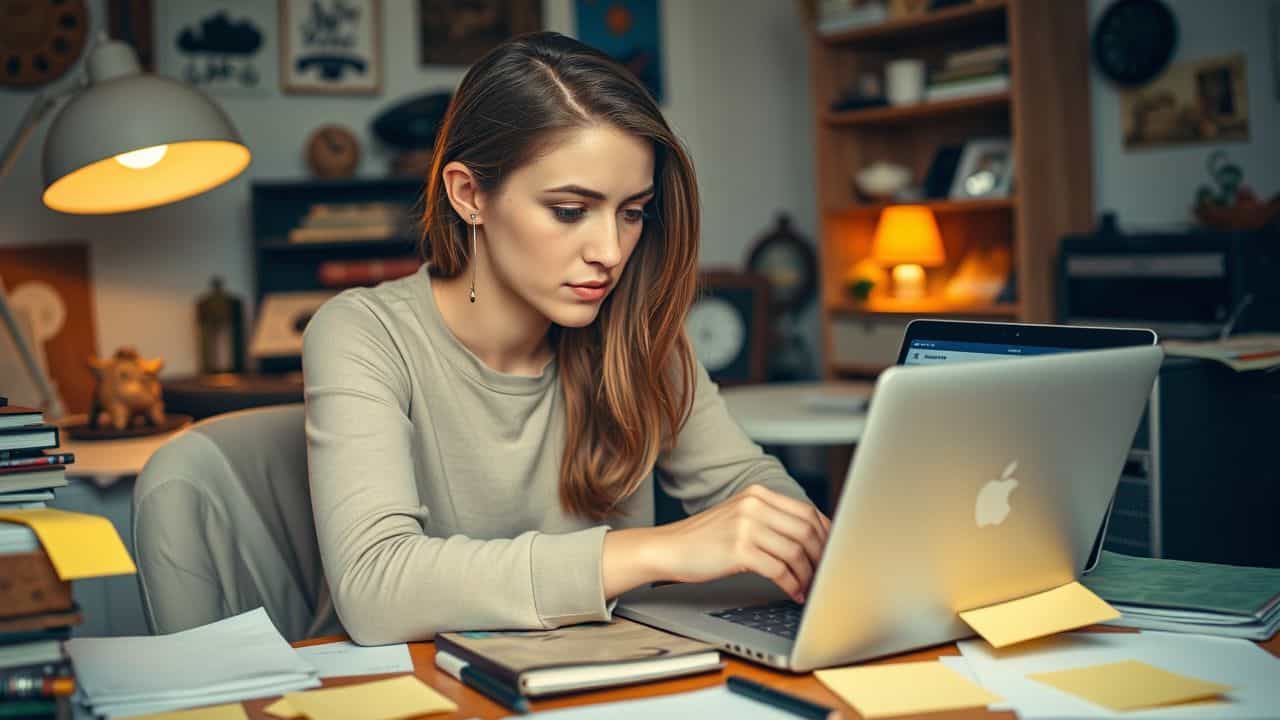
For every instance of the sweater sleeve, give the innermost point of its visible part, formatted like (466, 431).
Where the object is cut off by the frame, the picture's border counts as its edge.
(392, 581)
(713, 458)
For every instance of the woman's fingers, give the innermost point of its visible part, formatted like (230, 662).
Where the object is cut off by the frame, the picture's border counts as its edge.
(788, 551)
(799, 509)
(766, 565)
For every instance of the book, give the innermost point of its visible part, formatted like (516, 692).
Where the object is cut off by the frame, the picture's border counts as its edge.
(30, 461)
(12, 416)
(31, 586)
(967, 88)
(1184, 596)
(27, 439)
(968, 72)
(547, 662)
(346, 273)
(974, 56)
(360, 233)
(31, 653)
(18, 479)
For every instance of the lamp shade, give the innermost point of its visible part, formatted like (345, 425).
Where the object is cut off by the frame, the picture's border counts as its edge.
(91, 159)
(908, 234)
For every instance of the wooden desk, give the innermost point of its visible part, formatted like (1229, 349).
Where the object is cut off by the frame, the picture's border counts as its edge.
(474, 705)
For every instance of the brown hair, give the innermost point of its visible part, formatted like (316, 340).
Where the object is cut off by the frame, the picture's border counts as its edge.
(627, 378)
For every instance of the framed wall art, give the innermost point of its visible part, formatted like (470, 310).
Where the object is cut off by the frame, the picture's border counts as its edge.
(459, 33)
(221, 47)
(331, 46)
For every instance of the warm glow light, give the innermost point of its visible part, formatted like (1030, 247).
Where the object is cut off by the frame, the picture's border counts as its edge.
(907, 238)
(144, 158)
(908, 281)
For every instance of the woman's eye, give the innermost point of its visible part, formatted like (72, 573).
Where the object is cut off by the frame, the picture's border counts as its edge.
(568, 214)
(635, 215)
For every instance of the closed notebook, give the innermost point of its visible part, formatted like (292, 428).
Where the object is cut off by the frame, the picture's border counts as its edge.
(546, 662)
(44, 477)
(28, 438)
(13, 416)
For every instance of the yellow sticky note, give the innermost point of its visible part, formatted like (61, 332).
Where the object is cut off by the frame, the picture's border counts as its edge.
(902, 688)
(232, 711)
(79, 545)
(282, 709)
(402, 697)
(1068, 607)
(1130, 685)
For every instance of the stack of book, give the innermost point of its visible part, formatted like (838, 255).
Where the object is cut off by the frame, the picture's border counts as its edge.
(30, 466)
(970, 73)
(837, 16)
(352, 222)
(37, 611)
(1190, 597)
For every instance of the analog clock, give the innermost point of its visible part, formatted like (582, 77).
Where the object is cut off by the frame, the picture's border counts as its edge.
(718, 333)
(728, 325)
(39, 41)
(333, 152)
(788, 261)
(1134, 40)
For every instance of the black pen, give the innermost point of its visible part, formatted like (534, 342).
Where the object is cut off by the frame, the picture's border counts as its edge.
(482, 682)
(776, 698)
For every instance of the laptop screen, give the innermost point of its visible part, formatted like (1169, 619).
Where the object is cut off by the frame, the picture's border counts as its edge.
(936, 352)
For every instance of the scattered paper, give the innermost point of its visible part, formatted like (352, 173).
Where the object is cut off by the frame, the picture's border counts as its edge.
(79, 545)
(902, 688)
(716, 702)
(233, 711)
(1069, 607)
(402, 697)
(341, 659)
(1130, 685)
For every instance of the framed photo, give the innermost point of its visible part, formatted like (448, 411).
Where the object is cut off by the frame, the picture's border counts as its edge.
(1195, 101)
(985, 169)
(223, 47)
(459, 33)
(331, 47)
(281, 319)
(728, 326)
(628, 31)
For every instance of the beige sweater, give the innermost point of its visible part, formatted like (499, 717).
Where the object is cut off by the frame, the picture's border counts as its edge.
(434, 478)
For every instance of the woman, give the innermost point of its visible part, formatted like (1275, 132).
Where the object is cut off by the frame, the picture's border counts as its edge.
(481, 435)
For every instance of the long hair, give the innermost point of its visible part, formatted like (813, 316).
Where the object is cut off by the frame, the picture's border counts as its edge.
(628, 377)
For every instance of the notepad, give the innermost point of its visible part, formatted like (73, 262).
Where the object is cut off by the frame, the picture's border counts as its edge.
(902, 688)
(79, 545)
(1130, 685)
(1069, 607)
(402, 697)
(232, 711)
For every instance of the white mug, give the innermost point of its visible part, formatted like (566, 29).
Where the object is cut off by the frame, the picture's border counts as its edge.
(904, 81)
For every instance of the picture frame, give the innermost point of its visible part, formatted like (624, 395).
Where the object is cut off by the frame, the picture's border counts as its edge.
(1205, 100)
(985, 170)
(728, 326)
(282, 318)
(454, 33)
(223, 47)
(331, 47)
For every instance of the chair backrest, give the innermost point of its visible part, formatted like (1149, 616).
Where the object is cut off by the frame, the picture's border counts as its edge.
(222, 524)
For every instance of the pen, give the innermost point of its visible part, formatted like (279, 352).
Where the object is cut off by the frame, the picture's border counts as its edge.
(482, 682)
(776, 698)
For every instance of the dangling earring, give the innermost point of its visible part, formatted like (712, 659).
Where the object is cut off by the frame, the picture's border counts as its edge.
(473, 257)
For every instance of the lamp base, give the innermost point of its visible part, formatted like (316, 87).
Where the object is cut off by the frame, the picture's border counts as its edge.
(908, 282)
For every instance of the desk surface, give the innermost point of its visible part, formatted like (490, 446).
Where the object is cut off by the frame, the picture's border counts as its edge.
(473, 705)
(821, 413)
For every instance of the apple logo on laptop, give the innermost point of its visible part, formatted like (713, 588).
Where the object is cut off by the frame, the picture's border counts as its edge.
(993, 500)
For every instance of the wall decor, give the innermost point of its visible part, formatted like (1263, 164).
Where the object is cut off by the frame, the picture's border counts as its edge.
(728, 325)
(1134, 40)
(40, 41)
(281, 319)
(459, 33)
(220, 47)
(985, 170)
(331, 46)
(1195, 101)
(628, 31)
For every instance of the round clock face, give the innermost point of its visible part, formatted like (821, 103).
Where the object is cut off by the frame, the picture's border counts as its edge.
(40, 41)
(1134, 40)
(717, 331)
(333, 151)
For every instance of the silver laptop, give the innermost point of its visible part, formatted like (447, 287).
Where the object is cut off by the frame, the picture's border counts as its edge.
(974, 483)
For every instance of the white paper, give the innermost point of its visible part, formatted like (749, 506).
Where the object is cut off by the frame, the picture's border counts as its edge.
(341, 659)
(717, 702)
(238, 658)
(1252, 671)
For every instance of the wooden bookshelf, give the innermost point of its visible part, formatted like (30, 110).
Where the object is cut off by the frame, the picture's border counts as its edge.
(1048, 88)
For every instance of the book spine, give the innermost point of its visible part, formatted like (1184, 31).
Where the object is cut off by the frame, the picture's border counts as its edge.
(346, 273)
(38, 461)
(498, 672)
(30, 585)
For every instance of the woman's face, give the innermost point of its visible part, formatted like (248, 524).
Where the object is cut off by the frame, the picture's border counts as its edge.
(559, 231)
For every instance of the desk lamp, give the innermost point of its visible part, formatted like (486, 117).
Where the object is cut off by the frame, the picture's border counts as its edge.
(126, 140)
(907, 238)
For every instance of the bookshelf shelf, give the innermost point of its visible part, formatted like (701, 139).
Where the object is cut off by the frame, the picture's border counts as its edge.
(895, 115)
(888, 306)
(937, 206)
(916, 28)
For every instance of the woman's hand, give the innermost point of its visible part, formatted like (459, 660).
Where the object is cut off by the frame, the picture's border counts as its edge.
(757, 530)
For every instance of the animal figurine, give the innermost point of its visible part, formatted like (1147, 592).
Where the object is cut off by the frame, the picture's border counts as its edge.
(127, 387)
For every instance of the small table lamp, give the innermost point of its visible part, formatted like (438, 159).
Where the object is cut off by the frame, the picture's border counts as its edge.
(126, 140)
(907, 238)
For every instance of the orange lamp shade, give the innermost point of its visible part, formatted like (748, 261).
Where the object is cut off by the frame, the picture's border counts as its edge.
(908, 234)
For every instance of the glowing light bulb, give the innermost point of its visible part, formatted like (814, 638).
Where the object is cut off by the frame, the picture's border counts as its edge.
(144, 158)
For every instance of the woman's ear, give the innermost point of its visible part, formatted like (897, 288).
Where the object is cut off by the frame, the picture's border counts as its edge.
(463, 190)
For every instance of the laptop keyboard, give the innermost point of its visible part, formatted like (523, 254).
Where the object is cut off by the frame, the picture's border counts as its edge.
(781, 619)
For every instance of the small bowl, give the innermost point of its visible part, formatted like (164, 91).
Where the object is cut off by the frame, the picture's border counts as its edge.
(881, 180)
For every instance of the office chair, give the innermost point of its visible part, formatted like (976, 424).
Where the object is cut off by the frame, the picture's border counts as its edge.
(222, 524)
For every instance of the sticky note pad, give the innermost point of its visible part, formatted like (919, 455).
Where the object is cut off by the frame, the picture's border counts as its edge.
(79, 545)
(231, 711)
(402, 697)
(1130, 685)
(903, 688)
(1068, 607)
